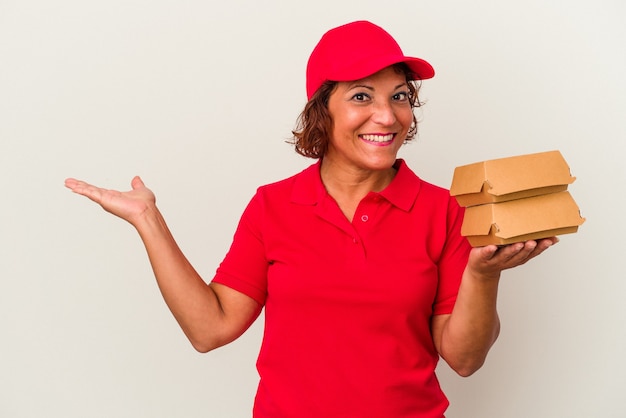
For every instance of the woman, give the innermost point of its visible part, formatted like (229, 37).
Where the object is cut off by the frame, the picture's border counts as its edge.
(359, 264)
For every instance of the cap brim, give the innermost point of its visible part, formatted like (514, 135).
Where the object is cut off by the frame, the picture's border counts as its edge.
(420, 68)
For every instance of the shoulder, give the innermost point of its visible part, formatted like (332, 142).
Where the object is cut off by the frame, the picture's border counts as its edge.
(274, 203)
(426, 189)
(434, 189)
(302, 187)
(433, 197)
(285, 183)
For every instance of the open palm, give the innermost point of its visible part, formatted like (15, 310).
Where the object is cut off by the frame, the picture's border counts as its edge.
(491, 260)
(130, 205)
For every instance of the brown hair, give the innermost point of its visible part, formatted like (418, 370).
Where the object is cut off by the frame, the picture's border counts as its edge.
(314, 125)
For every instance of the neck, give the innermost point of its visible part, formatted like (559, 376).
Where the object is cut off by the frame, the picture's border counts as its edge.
(348, 186)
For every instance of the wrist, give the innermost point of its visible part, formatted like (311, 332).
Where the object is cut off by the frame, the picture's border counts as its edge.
(149, 219)
(483, 277)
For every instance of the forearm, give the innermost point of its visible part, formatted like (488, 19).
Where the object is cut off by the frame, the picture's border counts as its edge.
(464, 338)
(473, 326)
(192, 302)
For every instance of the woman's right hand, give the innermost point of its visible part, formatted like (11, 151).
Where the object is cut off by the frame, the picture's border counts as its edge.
(210, 315)
(130, 205)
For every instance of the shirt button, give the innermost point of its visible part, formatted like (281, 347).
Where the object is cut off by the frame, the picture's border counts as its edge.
(355, 241)
(365, 218)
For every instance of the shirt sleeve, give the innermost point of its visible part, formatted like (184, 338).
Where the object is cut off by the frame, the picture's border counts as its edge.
(245, 265)
(453, 260)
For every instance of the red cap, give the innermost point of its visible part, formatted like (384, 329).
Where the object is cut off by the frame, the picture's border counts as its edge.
(357, 50)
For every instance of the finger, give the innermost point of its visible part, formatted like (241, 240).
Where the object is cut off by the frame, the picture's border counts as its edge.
(548, 242)
(75, 185)
(530, 250)
(543, 245)
(512, 254)
(488, 252)
(70, 183)
(525, 252)
(509, 251)
(137, 183)
(85, 189)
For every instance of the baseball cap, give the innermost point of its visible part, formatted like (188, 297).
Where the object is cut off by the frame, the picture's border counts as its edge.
(357, 50)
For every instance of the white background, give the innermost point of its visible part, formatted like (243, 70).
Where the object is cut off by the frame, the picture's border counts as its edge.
(198, 97)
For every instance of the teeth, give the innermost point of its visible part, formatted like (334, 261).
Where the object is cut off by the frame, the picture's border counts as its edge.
(378, 138)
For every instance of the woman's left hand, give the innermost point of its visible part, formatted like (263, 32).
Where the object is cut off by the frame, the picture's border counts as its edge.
(490, 260)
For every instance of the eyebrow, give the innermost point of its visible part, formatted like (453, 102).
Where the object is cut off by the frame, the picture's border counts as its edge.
(365, 86)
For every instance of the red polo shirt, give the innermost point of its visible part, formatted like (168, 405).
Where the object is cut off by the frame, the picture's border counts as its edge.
(348, 304)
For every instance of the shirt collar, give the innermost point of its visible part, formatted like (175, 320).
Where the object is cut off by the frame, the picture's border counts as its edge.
(404, 188)
(308, 188)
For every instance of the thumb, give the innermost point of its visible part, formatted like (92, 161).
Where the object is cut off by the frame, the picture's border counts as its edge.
(137, 183)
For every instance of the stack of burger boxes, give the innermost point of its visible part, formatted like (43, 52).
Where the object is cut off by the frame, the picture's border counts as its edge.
(516, 199)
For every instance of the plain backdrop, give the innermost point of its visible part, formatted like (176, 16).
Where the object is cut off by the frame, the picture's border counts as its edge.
(199, 97)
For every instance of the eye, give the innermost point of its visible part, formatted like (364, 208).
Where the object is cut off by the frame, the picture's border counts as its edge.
(401, 96)
(361, 97)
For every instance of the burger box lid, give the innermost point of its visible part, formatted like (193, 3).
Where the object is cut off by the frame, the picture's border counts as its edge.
(510, 178)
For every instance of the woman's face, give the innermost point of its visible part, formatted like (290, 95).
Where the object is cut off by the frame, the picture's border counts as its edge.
(371, 119)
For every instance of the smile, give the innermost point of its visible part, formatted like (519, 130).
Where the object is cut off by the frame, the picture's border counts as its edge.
(378, 138)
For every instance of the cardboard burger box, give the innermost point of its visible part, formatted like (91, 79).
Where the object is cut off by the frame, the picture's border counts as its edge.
(516, 199)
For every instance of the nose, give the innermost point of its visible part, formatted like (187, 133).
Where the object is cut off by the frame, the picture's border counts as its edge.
(384, 113)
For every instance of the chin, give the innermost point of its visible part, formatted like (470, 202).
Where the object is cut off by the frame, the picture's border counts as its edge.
(382, 164)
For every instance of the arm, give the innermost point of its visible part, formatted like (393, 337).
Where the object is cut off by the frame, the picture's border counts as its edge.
(210, 315)
(464, 337)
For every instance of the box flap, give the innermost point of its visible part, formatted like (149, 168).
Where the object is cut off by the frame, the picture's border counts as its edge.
(478, 220)
(468, 179)
(522, 216)
(510, 175)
